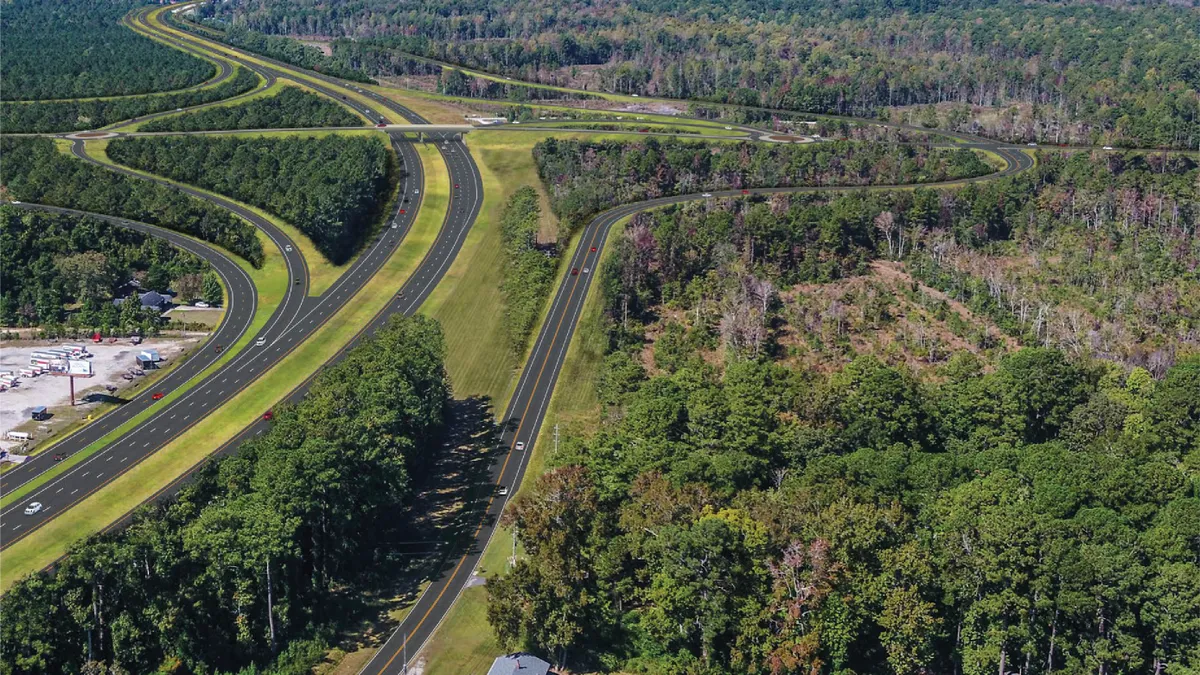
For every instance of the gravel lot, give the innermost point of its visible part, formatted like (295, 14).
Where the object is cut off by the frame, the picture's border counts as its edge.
(109, 361)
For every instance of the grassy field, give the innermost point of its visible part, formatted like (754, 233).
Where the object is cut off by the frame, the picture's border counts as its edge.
(321, 273)
(195, 444)
(464, 644)
(467, 302)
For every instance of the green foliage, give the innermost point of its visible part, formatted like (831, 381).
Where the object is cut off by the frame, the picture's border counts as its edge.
(1079, 72)
(77, 48)
(332, 188)
(584, 177)
(278, 48)
(251, 554)
(81, 261)
(528, 269)
(289, 109)
(79, 115)
(35, 171)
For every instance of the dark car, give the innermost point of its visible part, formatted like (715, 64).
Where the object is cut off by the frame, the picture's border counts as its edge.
(574, 271)
(268, 415)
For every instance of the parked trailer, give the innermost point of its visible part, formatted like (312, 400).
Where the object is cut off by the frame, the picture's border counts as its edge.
(76, 348)
(43, 355)
(28, 372)
(19, 436)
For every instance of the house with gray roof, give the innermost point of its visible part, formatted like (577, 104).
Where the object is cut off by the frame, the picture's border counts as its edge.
(519, 664)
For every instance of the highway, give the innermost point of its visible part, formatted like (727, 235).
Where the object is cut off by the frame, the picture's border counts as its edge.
(297, 317)
(526, 411)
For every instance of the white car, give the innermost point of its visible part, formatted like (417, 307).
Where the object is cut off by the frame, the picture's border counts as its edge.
(586, 270)
(33, 508)
(1032, 145)
(179, 110)
(288, 248)
(16, 202)
(260, 342)
(202, 304)
(395, 225)
(416, 192)
(1107, 147)
(519, 446)
(706, 195)
(728, 128)
(503, 490)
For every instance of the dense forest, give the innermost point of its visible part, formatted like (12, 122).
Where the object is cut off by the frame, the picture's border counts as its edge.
(51, 260)
(585, 177)
(85, 114)
(332, 188)
(1029, 508)
(291, 108)
(280, 49)
(34, 170)
(1083, 72)
(528, 269)
(241, 567)
(77, 48)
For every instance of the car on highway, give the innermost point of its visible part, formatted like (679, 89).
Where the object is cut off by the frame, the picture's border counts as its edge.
(260, 342)
(706, 195)
(1032, 145)
(402, 211)
(1108, 147)
(574, 271)
(269, 415)
(593, 249)
(217, 349)
(456, 186)
(502, 491)
(179, 110)
(157, 396)
(288, 248)
(416, 192)
(745, 192)
(381, 125)
(520, 446)
(728, 128)
(297, 281)
(33, 508)
(59, 457)
(586, 270)
(15, 201)
(395, 225)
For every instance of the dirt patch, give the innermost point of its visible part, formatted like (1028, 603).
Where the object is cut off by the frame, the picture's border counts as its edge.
(787, 139)
(110, 361)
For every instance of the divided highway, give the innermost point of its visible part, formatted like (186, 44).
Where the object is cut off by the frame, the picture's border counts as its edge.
(297, 317)
(527, 409)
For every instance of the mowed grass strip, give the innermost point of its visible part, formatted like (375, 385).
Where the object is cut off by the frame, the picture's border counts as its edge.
(464, 644)
(347, 90)
(467, 302)
(159, 470)
(270, 283)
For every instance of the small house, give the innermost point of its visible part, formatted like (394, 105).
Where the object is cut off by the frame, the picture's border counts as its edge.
(519, 664)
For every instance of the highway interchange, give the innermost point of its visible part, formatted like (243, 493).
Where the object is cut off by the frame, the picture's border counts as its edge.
(299, 315)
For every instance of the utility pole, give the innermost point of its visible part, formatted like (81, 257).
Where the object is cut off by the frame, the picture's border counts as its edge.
(556, 438)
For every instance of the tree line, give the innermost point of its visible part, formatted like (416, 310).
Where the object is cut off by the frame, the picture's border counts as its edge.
(240, 569)
(41, 117)
(332, 188)
(528, 269)
(34, 170)
(755, 518)
(1055, 73)
(585, 177)
(78, 49)
(48, 261)
(291, 108)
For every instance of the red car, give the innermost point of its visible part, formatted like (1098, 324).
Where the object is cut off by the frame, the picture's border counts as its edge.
(268, 415)
(157, 395)
(745, 192)
(402, 212)
(456, 186)
(381, 125)
(593, 249)
(574, 271)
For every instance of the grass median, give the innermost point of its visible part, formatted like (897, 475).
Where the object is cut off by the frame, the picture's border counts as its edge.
(194, 445)
(464, 643)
